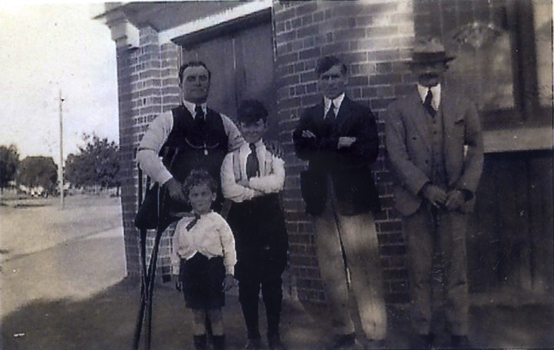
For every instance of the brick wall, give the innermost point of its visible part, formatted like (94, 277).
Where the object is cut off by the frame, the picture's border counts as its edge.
(372, 38)
(148, 85)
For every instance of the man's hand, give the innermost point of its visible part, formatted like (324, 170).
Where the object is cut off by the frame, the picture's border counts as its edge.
(346, 141)
(244, 183)
(228, 282)
(175, 190)
(454, 200)
(274, 148)
(435, 195)
(178, 283)
(308, 134)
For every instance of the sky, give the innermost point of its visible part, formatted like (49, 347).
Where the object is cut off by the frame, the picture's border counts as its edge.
(45, 48)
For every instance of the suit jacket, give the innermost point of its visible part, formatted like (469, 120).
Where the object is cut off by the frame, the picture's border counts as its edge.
(408, 145)
(349, 167)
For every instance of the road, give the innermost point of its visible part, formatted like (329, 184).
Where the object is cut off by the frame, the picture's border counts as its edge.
(49, 253)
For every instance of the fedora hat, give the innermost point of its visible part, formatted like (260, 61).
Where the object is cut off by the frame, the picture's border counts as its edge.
(429, 51)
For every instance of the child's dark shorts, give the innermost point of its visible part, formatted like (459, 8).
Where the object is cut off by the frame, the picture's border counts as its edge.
(202, 280)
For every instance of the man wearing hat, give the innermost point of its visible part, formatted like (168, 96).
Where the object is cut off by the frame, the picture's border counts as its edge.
(435, 151)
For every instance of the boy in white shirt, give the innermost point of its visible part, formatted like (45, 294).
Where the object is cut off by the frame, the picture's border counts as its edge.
(204, 258)
(252, 177)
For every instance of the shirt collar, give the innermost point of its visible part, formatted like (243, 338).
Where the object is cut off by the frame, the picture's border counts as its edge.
(192, 106)
(436, 90)
(259, 145)
(199, 215)
(336, 101)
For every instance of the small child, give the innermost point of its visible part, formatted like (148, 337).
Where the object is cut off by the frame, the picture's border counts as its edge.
(204, 257)
(252, 177)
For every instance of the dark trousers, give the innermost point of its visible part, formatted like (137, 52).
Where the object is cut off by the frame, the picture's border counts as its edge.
(202, 280)
(272, 294)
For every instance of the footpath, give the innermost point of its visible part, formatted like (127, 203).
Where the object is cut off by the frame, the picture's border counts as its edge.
(75, 296)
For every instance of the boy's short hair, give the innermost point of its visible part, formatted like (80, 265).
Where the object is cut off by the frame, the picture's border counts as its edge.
(250, 111)
(199, 177)
(328, 62)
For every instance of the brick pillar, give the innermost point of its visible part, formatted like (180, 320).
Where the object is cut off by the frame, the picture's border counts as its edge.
(127, 155)
(147, 85)
(126, 38)
(372, 38)
(170, 62)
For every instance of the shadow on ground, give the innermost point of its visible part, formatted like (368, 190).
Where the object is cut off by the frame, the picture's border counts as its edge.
(106, 321)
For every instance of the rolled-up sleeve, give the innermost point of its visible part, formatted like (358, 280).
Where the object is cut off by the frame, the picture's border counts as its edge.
(272, 182)
(233, 134)
(150, 145)
(231, 190)
(228, 244)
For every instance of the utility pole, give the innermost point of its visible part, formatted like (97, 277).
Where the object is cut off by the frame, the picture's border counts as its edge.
(60, 168)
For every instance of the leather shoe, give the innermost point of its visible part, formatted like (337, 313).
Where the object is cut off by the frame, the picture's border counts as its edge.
(460, 342)
(253, 344)
(374, 344)
(275, 343)
(423, 341)
(344, 341)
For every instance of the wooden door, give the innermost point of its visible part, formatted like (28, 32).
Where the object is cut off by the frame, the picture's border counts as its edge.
(242, 66)
(510, 239)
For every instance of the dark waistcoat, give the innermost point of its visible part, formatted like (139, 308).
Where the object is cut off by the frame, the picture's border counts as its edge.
(191, 145)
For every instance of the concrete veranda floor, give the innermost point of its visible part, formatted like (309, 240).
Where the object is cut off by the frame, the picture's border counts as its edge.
(105, 319)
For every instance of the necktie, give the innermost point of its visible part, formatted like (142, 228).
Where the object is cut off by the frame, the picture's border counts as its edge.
(252, 165)
(428, 103)
(199, 118)
(193, 222)
(330, 116)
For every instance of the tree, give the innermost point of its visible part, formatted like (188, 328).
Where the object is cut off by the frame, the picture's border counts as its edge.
(96, 164)
(38, 171)
(9, 159)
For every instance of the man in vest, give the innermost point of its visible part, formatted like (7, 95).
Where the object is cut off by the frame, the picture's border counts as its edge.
(190, 136)
(435, 148)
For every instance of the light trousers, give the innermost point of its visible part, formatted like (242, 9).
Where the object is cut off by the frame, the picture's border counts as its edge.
(437, 233)
(348, 257)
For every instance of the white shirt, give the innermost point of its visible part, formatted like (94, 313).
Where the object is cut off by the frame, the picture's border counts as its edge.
(271, 179)
(436, 90)
(336, 102)
(210, 236)
(157, 134)
(192, 108)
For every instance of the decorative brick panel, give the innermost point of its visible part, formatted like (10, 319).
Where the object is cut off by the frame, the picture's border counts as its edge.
(370, 37)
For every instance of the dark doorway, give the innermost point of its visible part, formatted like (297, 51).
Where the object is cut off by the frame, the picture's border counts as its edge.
(510, 239)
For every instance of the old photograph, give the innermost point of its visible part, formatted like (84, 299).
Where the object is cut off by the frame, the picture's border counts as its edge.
(265, 174)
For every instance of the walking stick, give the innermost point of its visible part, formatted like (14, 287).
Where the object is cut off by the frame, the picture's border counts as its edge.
(148, 275)
(147, 289)
(150, 289)
(144, 281)
(143, 273)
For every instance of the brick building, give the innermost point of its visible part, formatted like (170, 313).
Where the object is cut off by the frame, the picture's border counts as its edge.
(267, 50)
